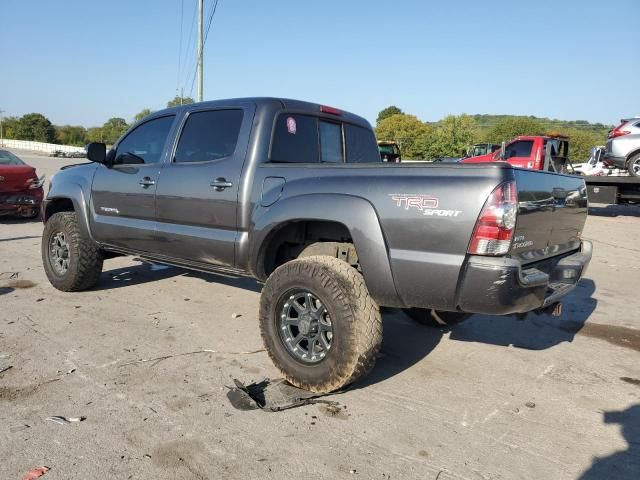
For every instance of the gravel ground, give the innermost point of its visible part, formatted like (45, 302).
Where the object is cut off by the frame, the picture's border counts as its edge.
(492, 398)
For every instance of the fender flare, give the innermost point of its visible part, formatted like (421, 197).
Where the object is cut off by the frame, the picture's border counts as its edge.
(355, 213)
(72, 191)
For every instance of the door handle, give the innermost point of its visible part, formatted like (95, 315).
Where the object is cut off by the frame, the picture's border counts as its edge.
(146, 182)
(220, 183)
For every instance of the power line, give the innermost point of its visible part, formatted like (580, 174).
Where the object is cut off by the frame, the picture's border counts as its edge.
(180, 44)
(212, 12)
(188, 51)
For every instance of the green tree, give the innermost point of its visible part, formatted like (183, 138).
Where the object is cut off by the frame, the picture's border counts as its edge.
(406, 130)
(178, 100)
(387, 112)
(141, 114)
(112, 129)
(94, 134)
(36, 127)
(450, 137)
(71, 135)
(505, 130)
(9, 127)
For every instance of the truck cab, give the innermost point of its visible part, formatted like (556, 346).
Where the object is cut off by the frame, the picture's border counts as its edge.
(389, 151)
(548, 153)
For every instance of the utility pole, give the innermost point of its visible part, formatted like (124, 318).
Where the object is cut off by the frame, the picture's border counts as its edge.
(1, 136)
(200, 8)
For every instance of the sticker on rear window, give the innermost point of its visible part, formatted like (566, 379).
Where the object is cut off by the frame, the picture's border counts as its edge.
(291, 125)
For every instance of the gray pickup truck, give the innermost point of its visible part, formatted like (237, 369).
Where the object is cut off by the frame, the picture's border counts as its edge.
(295, 194)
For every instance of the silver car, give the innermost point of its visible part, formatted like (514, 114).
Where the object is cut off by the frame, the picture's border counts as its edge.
(623, 146)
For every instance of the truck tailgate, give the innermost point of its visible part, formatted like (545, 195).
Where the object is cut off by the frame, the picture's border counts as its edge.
(552, 210)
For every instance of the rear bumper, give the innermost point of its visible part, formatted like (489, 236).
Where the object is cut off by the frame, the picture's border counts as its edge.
(15, 201)
(619, 162)
(502, 286)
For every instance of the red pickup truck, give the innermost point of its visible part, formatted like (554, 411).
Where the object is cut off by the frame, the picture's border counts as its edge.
(532, 152)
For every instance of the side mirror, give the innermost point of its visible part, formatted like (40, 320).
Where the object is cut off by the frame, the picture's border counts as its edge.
(97, 152)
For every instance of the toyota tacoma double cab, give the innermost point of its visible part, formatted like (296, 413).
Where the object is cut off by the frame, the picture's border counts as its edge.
(296, 195)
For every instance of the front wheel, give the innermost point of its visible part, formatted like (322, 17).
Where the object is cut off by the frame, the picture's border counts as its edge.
(634, 165)
(71, 261)
(435, 318)
(319, 324)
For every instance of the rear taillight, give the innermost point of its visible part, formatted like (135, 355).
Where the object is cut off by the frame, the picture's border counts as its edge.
(495, 226)
(618, 132)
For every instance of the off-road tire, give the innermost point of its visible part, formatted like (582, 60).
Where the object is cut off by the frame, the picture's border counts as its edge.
(633, 160)
(355, 319)
(85, 257)
(435, 318)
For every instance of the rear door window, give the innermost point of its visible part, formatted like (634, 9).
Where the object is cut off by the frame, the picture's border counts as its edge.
(295, 139)
(330, 142)
(361, 145)
(209, 135)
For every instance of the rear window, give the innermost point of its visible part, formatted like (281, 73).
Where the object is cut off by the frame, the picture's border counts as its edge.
(209, 135)
(521, 148)
(309, 139)
(361, 145)
(295, 139)
(330, 142)
(8, 158)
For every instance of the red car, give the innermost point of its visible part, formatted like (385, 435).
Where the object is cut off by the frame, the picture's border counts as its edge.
(21, 190)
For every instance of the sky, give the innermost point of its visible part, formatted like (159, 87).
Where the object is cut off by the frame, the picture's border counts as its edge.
(83, 61)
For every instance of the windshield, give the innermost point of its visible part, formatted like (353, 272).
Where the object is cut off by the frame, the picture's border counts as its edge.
(8, 158)
(387, 149)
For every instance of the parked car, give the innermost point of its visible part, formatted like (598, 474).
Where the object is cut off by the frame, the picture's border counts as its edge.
(296, 195)
(623, 146)
(21, 190)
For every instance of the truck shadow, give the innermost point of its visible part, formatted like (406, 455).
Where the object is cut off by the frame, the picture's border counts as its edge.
(624, 464)
(406, 343)
(614, 210)
(152, 272)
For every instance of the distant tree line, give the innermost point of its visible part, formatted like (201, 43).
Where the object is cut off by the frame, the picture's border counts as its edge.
(448, 137)
(38, 128)
(451, 136)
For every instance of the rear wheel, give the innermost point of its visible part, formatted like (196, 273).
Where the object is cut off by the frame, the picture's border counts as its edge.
(319, 324)
(634, 165)
(71, 261)
(435, 318)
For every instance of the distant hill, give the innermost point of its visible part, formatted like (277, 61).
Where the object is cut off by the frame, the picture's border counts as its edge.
(484, 121)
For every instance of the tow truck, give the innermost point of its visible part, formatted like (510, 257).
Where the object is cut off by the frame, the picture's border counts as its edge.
(551, 153)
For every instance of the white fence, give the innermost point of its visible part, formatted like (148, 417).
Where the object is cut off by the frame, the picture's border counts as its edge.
(38, 146)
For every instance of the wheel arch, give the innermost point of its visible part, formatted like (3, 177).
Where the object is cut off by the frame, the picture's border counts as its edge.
(68, 197)
(344, 218)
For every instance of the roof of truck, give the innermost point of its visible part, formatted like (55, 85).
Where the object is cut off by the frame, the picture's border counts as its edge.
(287, 104)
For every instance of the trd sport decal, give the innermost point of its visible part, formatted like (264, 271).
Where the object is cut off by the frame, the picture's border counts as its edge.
(426, 204)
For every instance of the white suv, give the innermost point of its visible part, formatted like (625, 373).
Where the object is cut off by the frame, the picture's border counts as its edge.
(623, 146)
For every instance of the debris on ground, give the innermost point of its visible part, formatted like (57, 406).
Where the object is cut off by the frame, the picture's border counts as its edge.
(530, 405)
(164, 357)
(19, 428)
(236, 315)
(4, 369)
(273, 396)
(64, 420)
(36, 473)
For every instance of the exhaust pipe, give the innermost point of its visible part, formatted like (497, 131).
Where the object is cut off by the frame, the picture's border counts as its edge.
(555, 309)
